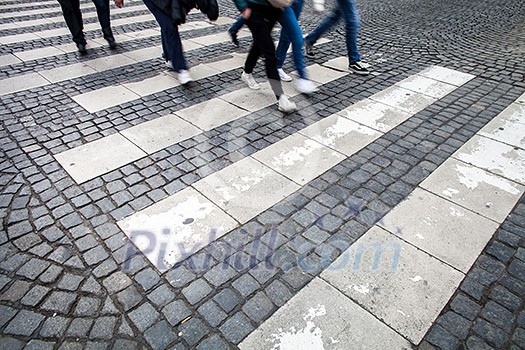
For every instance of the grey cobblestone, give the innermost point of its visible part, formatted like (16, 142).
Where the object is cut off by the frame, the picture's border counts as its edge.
(175, 312)
(144, 316)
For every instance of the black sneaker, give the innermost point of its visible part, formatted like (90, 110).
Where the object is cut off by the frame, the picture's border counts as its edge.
(358, 68)
(309, 48)
(81, 48)
(233, 36)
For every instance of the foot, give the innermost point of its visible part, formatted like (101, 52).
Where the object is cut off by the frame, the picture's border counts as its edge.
(112, 43)
(184, 77)
(305, 86)
(285, 105)
(81, 48)
(234, 39)
(169, 64)
(283, 76)
(309, 48)
(358, 68)
(248, 78)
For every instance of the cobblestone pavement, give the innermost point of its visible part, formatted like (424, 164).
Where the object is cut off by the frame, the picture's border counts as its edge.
(72, 278)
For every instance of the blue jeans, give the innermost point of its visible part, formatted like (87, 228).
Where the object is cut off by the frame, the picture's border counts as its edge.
(291, 32)
(348, 10)
(237, 25)
(171, 43)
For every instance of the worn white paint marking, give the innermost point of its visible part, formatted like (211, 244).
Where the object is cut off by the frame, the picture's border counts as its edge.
(104, 155)
(375, 115)
(363, 289)
(509, 131)
(447, 75)
(175, 228)
(245, 188)
(416, 279)
(494, 156)
(472, 177)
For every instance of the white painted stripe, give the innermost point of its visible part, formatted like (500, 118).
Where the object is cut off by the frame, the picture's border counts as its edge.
(76, 70)
(321, 317)
(153, 136)
(110, 152)
(442, 218)
(247, 188)
(43, 11)
(59, 19)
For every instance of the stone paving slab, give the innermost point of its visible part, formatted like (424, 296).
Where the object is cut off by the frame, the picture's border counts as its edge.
(388, 277)
(71, 277)
(321, 317)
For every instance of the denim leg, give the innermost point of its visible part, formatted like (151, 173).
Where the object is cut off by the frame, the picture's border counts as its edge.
(291, 32)
(351, 16)
(237, 25)
(73, 18)
(171, 37)
(103, 16)
(325, 24)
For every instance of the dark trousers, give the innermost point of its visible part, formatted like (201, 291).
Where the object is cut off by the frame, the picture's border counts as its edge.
(73, 17)
(261, 22)
(169, 32)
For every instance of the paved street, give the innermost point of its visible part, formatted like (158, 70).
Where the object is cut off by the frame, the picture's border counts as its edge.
(388, 212)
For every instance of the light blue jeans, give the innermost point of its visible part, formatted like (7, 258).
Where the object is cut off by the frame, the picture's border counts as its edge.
(291, 33)
(348, 10)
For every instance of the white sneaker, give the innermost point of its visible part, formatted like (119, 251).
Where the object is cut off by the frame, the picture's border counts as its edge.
(169, 64)
(248, 78)
(283, 75)
(285, 105)
(184, 77)
(305, 86)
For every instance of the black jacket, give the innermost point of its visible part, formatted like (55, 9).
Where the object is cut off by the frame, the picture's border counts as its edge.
(178, 9)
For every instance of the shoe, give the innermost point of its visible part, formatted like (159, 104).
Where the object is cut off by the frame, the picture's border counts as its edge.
(184, 77)
(233, 37)
(248, 78)
(169, 64)
(358, 68)
(112, 43)
(309, 48)
(81, 48)
(305, 86)
(283, 76)
(285, 105)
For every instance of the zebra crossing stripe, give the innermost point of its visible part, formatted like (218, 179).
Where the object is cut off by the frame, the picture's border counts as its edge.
(434, 236)
(162, 132)
(97, 65)
(248, 187)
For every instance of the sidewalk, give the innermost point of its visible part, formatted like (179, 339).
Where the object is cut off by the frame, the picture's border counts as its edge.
(387, 213)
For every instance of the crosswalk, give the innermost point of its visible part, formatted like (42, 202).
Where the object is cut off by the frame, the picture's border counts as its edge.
(417, 254)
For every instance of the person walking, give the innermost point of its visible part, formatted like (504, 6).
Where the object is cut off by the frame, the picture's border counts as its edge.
(348, 10)
(169, 33)
(261, 17)
(73, 18)
(291, 33)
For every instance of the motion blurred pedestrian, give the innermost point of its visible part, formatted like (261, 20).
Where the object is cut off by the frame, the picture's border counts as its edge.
(73, 17)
